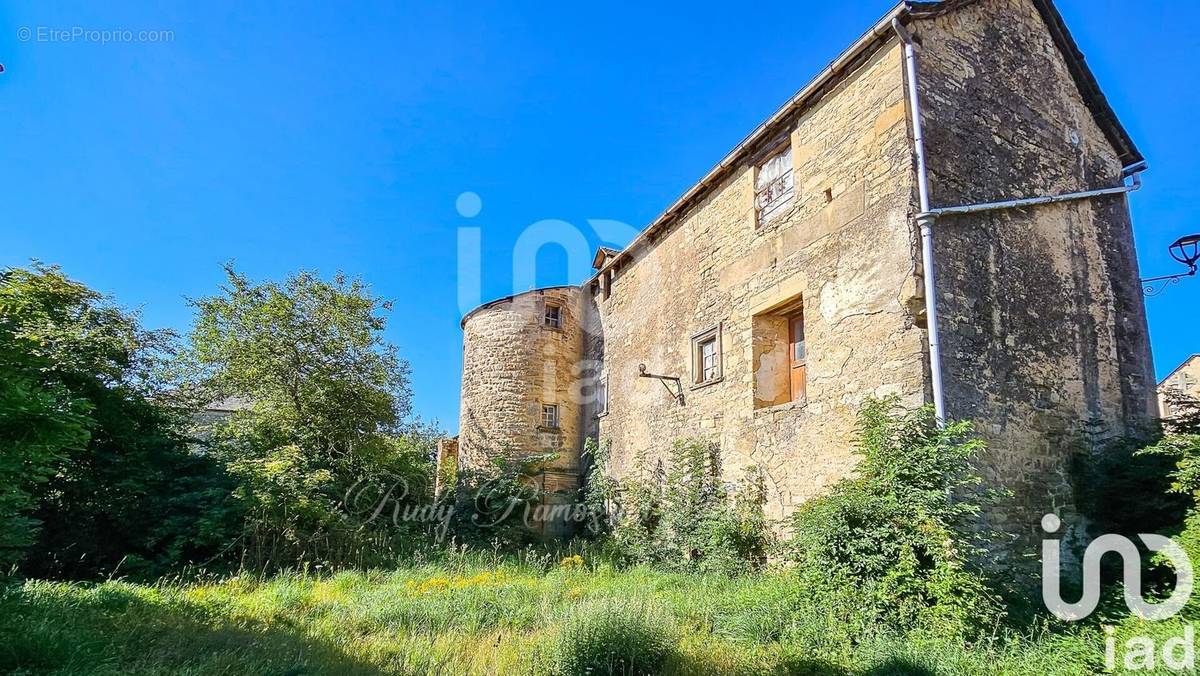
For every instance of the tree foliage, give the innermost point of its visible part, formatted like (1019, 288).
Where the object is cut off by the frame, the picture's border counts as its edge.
(99, 473)
(1180, 447)
(40, 420)
(309, 354)
(328, 400)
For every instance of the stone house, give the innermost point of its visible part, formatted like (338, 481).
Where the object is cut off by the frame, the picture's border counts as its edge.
(203, 421)
(802, 274)
(1184, 380)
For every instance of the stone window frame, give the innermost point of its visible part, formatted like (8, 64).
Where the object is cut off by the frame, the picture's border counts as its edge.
(776, 321)
(552, 320)
(550, 417)
(714, 335)
(780, 206)
(602, 395)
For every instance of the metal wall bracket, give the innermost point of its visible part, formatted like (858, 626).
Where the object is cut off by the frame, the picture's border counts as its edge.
(676, 394)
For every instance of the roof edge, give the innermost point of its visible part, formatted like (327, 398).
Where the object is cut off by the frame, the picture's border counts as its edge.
(1175, 370)
(1081, 73)
(876, 37)
(1089, 87)
(483, 306)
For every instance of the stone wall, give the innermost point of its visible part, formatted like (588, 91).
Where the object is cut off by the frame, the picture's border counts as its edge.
(1184, 380)
(513, 365)
(1044, 332)
(845, 253)
(1045, 345)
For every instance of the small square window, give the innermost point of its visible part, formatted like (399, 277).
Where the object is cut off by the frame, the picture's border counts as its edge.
(774, 187)
(553, 317)
(550, 416)
(706, 356)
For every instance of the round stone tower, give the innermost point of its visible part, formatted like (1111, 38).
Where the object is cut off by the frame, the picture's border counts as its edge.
(522, 356)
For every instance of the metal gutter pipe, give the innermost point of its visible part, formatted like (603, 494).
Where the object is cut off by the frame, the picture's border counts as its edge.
(925, 220)
(928, 215)
(1052, 199)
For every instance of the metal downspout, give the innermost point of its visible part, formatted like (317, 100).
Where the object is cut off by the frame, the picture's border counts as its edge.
(928, 215)
(925, 220)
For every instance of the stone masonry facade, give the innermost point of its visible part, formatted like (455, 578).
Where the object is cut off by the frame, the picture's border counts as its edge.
(778, 328)
(1183, 382)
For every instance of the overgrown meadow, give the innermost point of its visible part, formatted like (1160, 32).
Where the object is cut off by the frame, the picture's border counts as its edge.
(479, 614)
(138, 541)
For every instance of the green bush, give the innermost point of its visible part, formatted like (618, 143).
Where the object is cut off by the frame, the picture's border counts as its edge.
(496, 505)
(601, 492)
(681, 516)
(612, 637)
(326, 457)
(95, 474)
(902, 532)
(1179, 448)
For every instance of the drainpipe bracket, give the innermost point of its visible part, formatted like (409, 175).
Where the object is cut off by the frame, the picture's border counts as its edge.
(1137, 181)
(905, 36)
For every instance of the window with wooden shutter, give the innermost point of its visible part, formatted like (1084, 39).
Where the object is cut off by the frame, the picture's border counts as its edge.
(779, 355)
(796, 356)
(774, 187)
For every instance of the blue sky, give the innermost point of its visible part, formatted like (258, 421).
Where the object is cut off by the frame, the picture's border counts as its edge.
(334, 136)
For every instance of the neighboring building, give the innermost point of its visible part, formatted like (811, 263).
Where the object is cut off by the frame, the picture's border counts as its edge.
(203, 421)
(1185, 380)
(787, 285)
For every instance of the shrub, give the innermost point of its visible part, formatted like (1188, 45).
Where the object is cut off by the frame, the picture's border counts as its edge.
(1127, 489)
(600, 491)
(1180, 448)
(94, 471)
(496, 504)
(612, 637)
(683, 517)
(902, 531)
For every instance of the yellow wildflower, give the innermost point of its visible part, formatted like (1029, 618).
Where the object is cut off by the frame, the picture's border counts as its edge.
(441, 584)
(574, 561)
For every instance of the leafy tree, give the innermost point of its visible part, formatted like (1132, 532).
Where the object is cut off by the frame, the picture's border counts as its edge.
(308, 353)
(104, 468)
(40, 422)
(328, 400)
(1180, 449)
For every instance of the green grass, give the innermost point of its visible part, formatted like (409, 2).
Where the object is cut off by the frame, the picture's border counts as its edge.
(467, 615)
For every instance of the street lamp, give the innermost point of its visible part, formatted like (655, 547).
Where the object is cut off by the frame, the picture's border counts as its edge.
(1186, 250)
